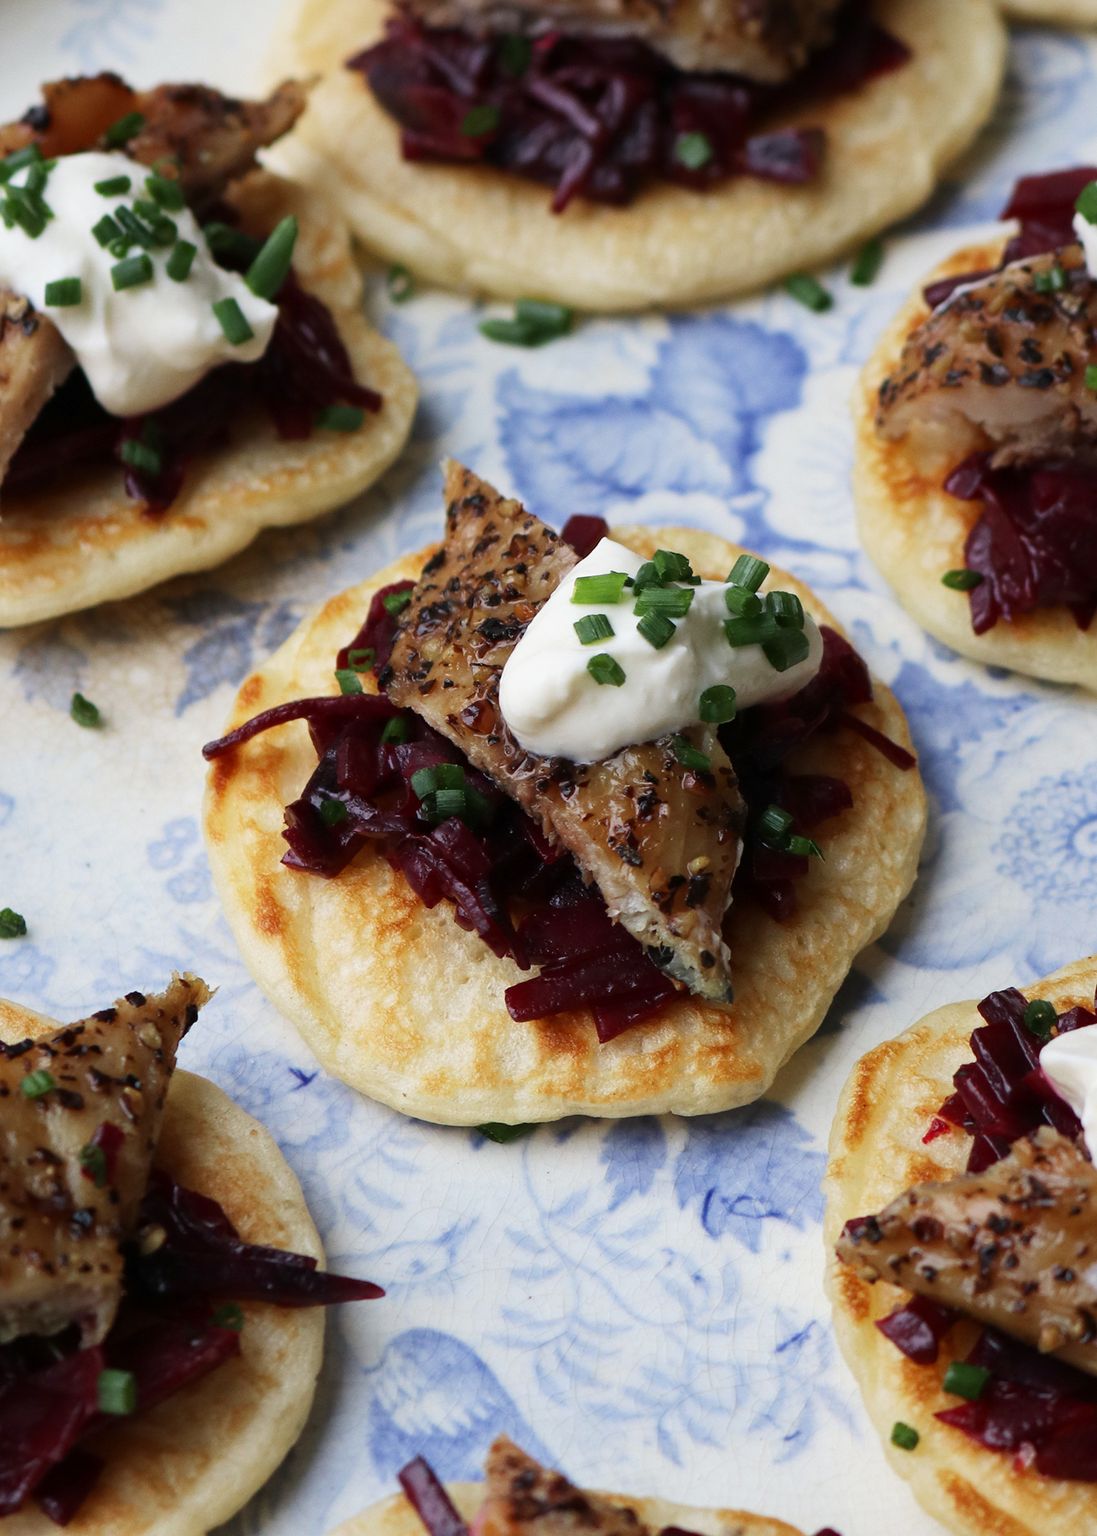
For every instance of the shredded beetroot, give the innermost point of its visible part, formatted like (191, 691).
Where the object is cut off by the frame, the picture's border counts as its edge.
(430, 1500)
(601, 118)
(917, 1328)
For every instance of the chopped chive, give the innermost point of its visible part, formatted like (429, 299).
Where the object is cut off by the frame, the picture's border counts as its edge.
(13, 925)
(535, 322)
(64, 292)
(656, 629)
(427, 781)
(593, 627)
(787, 649)
(36, 178)
(606, 588)
(340, 418)
(511, 333)
(106, 230)
(124, 129)
(1087, 203)
(93, 1160)
(646, 576)
(136, 230)
(496, 1131)
(348, 680)
(114, 186)
(689, 756)
(181, 260)
(400, 284)
(131, 272)
(228, 1316)
(166, 191)
(748, 572)
(962, 580)
(515, 53)
(233, 322)
(27, 210)
(37, 1084)
(693, 150)
(19, 159)
(741, 603)
(270, 268)
(1054, 280)
(229, 244)
(396, 731)
(774, 826)
(786, 608)
(449, 802)
(717, 705)
(672, 566)
(753, 631)
(332, 811)
(903, 1436)
(804, 848)
(84, 712)
(808, 291)
(141, 456)
(1040, 1018)
(479, 120)
(964, 1380)
(675, 602)
(605, 670)
(117, 1393)
(867, 264)
(120, 246)
(361, 658)
(1091, 376)
(395, 602)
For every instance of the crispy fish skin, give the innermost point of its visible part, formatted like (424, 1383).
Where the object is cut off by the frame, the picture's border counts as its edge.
(765, 40)
(34, 361)
(60, 1226)
(660, 841)
(1013, 1247)
(522, 1498)
(1002, 365)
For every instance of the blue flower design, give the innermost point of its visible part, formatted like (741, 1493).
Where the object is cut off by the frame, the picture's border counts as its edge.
(632, 1153)
(232, 631)
(1050, 843)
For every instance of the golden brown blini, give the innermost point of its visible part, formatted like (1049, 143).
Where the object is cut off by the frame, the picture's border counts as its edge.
(84, 541)
(189, 1464)
(482, 230)
(876, 1152)
(401, 1003)
(915, 532)
(1066, 13)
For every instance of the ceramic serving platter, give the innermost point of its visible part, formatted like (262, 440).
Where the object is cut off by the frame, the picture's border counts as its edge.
(641, 1302)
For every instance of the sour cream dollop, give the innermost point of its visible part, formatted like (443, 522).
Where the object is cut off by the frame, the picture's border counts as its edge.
(1087, 239)
(1070, 1064)
(554, 707)
(139, 347)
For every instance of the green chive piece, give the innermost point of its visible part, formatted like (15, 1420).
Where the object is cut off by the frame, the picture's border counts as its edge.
(361, 658)
(400, 284)
(93, 1160)
(427, 781)
(515, 53)
(774, 826)
(512, 333)
(496, 1131)
(808, 291)
(138, 232)
(121, 246)
(348, 680)
(1087, 203)
(332, 811)
(396, 730)
(229, 244)
(535, 322)
(867, 264)
(605, 670)
(480, 120)
(646, 576)
(1091, 376)
(962, 580)
(117, 1393)
(114, 186)
(18, 160)
(964, 1380)
(166, 191)
(106, 230)
(228, 1316)
(449, 802)
(675, 602)
(26, 209)
(13, 925)
(233, 322)
(141, 456)
(270, 268)
(693, 150)
(754, 631)
(787, 649)
(599, 589)
(37, 1084)
(131, 272)
(748, 572)
(786, 608)
(593, 627)
(904, 1437)
(84, 712)
(656, 629)
(1054, 280)
(64, 292)
(717, 705)
(741, 603)
(689, 756)
(672, 566)
(1040, 1018)
(181, 260)
(340, 418)
(804, 847)
(396, 602)
(124, 129)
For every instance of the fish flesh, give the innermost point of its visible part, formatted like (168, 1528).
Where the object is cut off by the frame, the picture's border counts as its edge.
(34, 361)
(522, 1498)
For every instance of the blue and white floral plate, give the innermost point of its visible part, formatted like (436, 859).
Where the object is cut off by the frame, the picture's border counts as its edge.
(641, 1303)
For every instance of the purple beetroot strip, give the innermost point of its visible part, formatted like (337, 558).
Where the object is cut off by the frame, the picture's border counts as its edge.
(429, 1499)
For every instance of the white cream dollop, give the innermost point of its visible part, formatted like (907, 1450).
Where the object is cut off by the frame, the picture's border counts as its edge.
(1069, 1062)
(1087, 239)
(555, 708)
(140, 347)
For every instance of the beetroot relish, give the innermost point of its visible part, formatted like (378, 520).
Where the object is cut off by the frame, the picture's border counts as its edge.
(599, 118)
(165, 1334)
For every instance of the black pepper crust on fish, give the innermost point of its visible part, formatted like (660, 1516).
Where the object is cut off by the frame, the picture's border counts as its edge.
(1002, 364)
(522, 1498)
(60, 1226)
(660, 841)
(1014, 1246)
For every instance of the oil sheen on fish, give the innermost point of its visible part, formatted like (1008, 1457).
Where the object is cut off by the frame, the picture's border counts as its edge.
(1014, 1246)
(660, 841)
(1001, 365)
(522, 1498)
(70, 1192)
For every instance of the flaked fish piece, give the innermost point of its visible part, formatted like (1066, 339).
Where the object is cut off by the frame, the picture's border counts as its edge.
(767, 40)
(660, 841)
(69, 1189)
(522, 1498)
(1002, 365)
(34, 361)
(1014, 1246)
